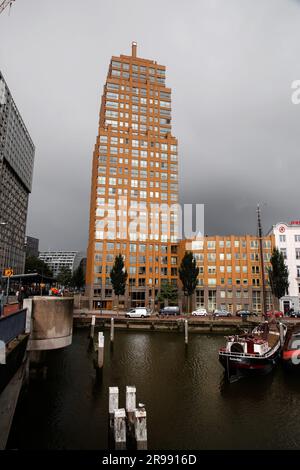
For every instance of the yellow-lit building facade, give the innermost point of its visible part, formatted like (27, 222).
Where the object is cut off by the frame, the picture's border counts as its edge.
(230, 275)
(135, 170)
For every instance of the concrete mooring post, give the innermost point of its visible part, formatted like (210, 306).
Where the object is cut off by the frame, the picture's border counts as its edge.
(186, 332)
(113, 404)
(140, 428)
(93, 326)
(130, 406)
(112, 330)
(100, 348)
(113, 400)
(120, 429)
(281, 332)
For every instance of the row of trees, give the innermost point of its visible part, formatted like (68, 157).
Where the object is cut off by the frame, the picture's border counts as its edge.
(65, 277)
(188, 274)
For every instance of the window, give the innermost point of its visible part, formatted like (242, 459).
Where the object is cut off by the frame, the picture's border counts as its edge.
(282, 238)
(101, 179)
(255, 269)
(284, 253)
(297, 253)
(211, 245)
(200, 298)
(297, 238)
(212, 297)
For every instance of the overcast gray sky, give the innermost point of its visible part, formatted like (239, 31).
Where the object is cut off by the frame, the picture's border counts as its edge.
(230, 65)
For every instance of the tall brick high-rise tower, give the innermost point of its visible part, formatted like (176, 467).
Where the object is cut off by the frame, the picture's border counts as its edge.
(135, 171)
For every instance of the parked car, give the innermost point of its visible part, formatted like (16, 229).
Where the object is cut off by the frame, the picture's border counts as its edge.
(245, 313)
(138, 312)
(274, 313)
(221, 313)
(295, 314)
(200, 312)
(170, 310)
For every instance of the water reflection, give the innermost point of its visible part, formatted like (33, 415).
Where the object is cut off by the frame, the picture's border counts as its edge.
(189, 404)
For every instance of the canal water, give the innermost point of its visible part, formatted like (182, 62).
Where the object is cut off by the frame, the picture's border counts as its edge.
(189, 404)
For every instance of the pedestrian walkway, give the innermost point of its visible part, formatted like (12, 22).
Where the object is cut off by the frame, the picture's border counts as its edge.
(10, 308)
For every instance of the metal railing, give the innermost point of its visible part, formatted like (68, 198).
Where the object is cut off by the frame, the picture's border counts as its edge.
(12, 325)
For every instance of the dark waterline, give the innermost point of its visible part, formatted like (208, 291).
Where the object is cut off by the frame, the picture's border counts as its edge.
(189, 405)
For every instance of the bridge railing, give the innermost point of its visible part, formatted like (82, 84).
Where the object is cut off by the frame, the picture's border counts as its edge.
(12, 325)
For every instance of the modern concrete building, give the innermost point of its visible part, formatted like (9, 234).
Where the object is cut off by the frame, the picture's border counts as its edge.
(287, 240)
(32, 246)
(16, 170)
(230, 272)
(56, 260)
(134, 172)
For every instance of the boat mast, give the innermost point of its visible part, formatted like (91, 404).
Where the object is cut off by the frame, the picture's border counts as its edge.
(262, 265)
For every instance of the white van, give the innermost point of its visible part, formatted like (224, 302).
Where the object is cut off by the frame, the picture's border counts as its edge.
(138, 312)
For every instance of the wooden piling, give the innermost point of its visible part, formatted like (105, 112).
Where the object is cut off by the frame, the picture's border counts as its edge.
(281, 333)
(100, 348)
(93, 322)
(113, 399)
(113, 404)
(112, 330)
(140, 428)
(120, 429)
(130, 402)
(186, 332)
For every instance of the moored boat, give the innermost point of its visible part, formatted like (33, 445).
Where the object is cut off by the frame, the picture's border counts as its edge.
(253, 353)
(291, 349)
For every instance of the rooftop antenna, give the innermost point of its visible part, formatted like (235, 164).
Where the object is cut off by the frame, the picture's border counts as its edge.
(262, 265)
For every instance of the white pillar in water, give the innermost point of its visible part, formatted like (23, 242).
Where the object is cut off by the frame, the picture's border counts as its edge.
(140, 428)
(120, 429)
(93, 322)
(186, 332)
(100, 349)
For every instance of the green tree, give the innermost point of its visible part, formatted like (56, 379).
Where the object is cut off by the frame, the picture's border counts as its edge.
(78, 278)
(168, 292)
(278, 275)
(64, 277)
(36, 265)
(118, 276)
(188, 274)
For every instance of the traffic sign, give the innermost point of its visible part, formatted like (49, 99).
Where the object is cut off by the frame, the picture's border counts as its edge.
(8, 272)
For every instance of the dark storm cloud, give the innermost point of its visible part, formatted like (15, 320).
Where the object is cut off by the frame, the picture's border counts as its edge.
(230, 65)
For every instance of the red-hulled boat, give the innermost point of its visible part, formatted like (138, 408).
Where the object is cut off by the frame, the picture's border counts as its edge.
(253, 353)
(291, 349)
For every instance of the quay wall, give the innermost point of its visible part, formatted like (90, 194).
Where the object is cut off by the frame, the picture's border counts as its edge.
(51, 322)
